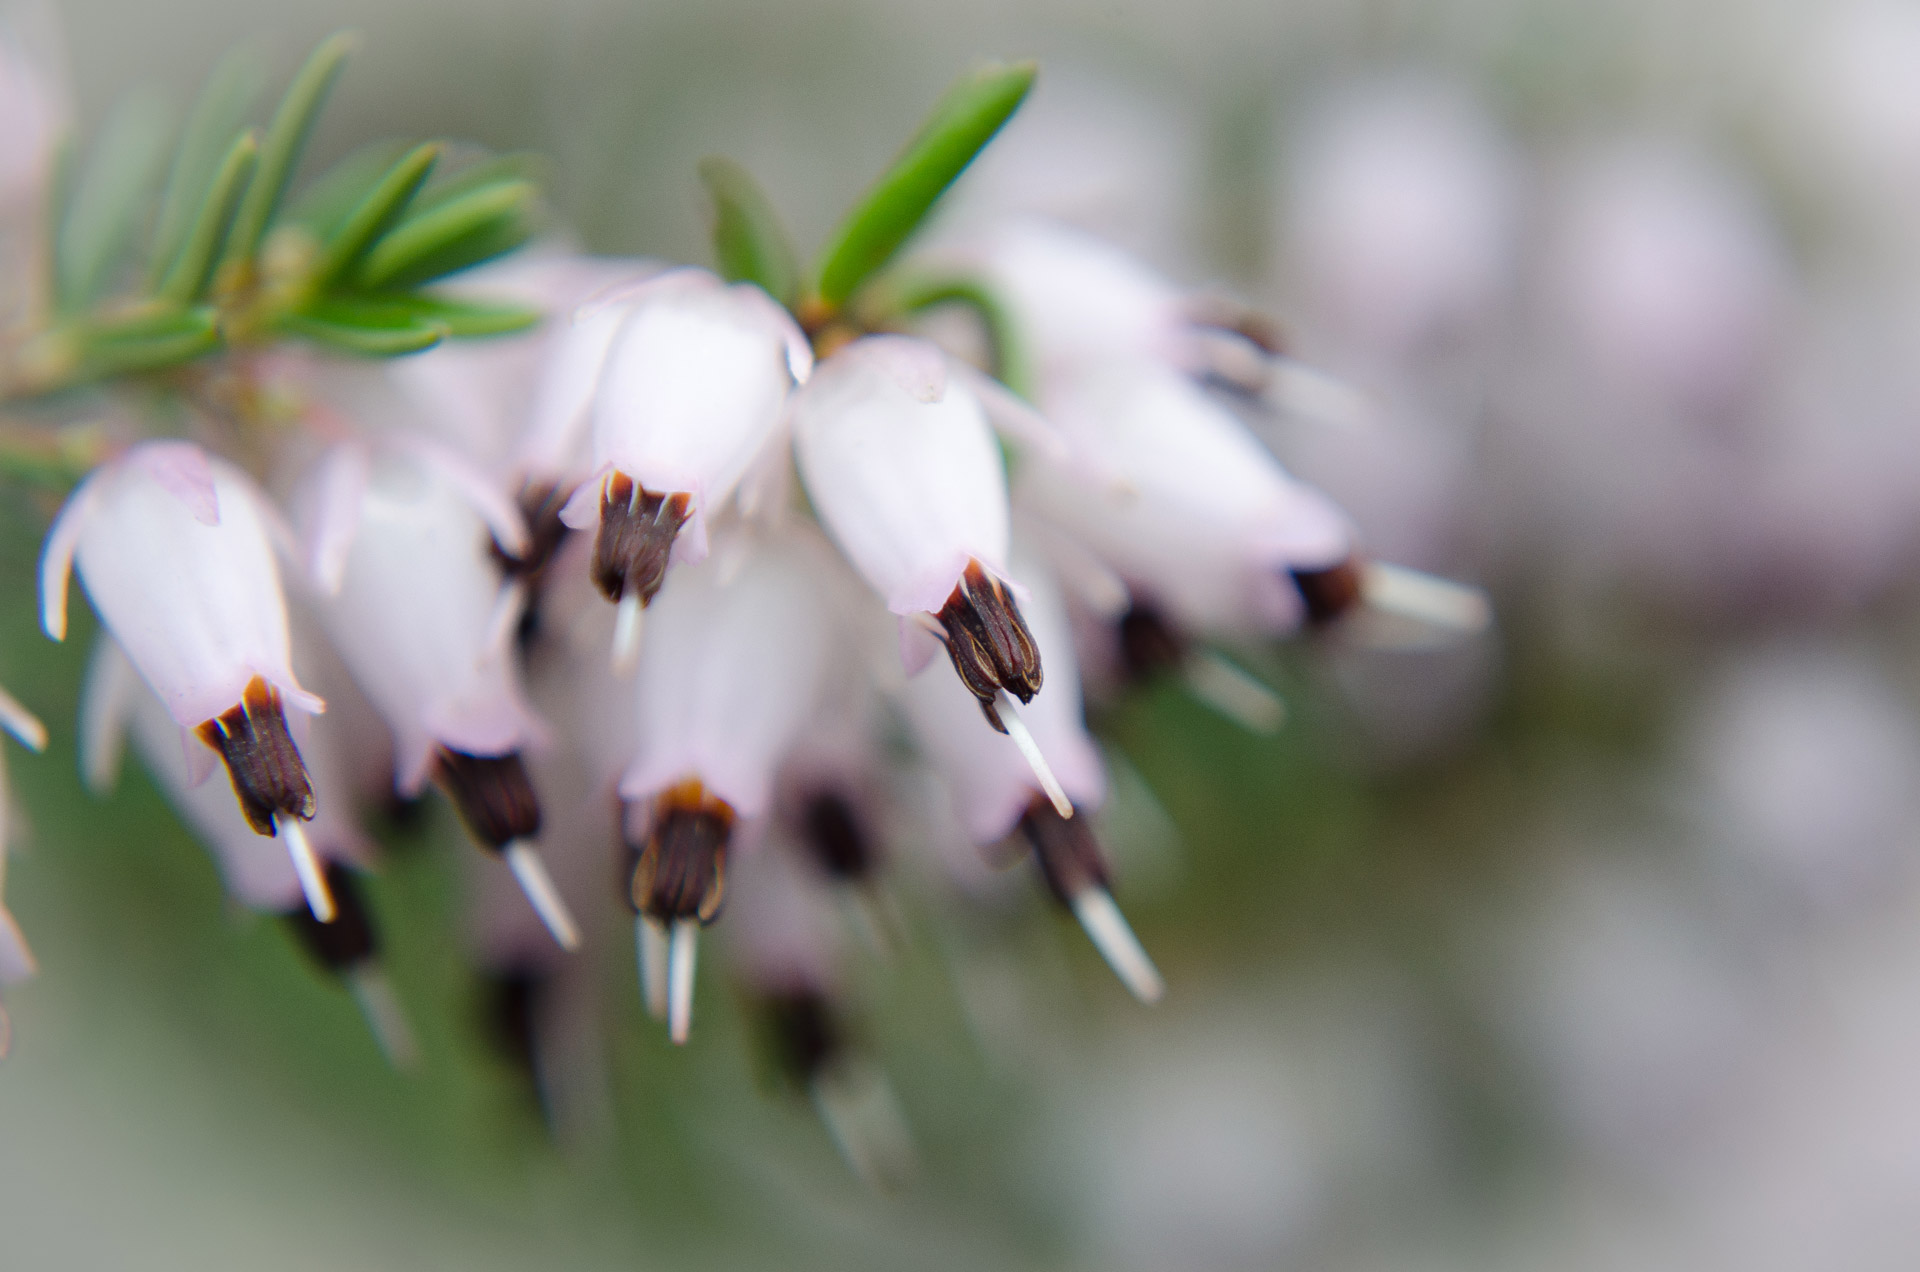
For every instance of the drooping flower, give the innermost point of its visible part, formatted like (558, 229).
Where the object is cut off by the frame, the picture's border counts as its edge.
(728, 679)
(16, 960)
(995, 790)
(175, 550)
(684, 380)
(1177, 497)
(900, 462)
(414, 605)
(116, 704)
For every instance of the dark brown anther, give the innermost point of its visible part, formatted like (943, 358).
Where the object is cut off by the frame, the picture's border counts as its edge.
(347, 942)
(494, 794)
(1149, 642)
(637, 530)
(1256, 327)
(269, 776)
(835, 837)
(1068, 855)
(803, 1032)
(1331, 593)
(512, 1002)
(540, 502)
(681, 871)
(989, 641)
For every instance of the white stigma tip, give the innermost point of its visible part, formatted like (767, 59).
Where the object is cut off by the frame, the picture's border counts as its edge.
(856, 1104)
(1111, 935)
(650, 947)
(531, 873)
(380, 1007)
(680, 979)
(22, 723)
(313, 882)
(1301, 390)
(1438, 602)
(626, 635)
(1234, 693)
(1030, 750)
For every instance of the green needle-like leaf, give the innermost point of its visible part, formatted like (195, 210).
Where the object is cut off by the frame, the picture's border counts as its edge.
(464, 319)
(220, 112)
(106, 204)
(965, 120)
(376, 212)
(285, 140)
(749, 242)
(148, 342)
(325, 201)
(187, 276)
(461, 232)
(371, 327)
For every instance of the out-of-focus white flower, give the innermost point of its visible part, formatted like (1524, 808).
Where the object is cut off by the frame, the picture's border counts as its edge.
(33, 102)
(1080, 302)
(416, 611)
(1173, 493)
(785, 951)
(729, 677)
(481, 396)
(412, 609)
(1110, 157)
(16, 960)
(1807, 761)
(996, 784)
(685, 379)
(1668, 275)
(1402, 216)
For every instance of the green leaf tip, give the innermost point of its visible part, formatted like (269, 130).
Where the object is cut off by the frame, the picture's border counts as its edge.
(370, 327)
(377, 211)
(451, 235)
(188, 274)
(286, 138)
(961, 125)
(749, 243)
(219, 113)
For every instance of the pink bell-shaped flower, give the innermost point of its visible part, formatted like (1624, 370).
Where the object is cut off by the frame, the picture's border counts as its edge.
(728, 680)
(175, 550)
(902, 467)
(997, 784)
(684, 380)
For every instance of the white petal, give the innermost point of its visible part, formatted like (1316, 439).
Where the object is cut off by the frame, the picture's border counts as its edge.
(909, 489)
(1173, 493)
(415, 615)
(729, 676)
(196, 607)
(694, 385)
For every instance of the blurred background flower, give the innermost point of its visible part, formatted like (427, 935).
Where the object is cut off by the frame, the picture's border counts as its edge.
(1593, 942)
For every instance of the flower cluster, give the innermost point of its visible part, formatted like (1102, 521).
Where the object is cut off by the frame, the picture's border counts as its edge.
(672, 574)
